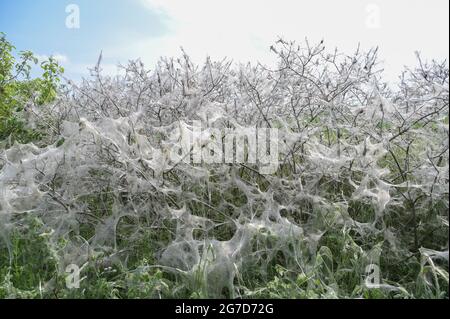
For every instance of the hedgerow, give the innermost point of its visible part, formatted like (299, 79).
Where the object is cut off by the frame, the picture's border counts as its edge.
(360, 187)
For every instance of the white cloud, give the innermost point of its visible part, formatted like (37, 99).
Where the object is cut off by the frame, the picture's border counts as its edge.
(61, 58)
(75, 71)
(244, 30)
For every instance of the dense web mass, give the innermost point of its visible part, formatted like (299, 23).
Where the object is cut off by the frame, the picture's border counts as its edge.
(362, 173)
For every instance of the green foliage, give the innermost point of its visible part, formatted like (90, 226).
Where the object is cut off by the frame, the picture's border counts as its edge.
(19, 92)
(28, 261)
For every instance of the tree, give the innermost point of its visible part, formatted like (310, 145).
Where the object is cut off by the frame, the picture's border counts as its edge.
(18, 91)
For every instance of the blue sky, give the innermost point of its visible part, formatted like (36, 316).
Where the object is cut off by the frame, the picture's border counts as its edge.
(238, 29)
(40, 26)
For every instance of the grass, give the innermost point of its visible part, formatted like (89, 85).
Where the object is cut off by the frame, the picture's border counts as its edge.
(29, 268)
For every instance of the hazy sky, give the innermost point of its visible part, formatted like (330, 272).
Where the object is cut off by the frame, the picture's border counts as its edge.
(239, 29)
